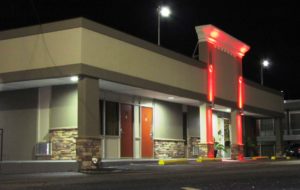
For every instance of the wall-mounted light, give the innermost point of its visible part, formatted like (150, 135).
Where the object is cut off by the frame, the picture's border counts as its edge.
(214, 34)
(171, 98)
(74, 78)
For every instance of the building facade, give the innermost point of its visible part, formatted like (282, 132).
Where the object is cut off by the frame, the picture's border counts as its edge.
(274, 135)
(87, 92)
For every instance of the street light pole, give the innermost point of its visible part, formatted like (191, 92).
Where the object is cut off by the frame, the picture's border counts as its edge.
(162, 11)
(261, 75)
(158, 25)
(263, 65)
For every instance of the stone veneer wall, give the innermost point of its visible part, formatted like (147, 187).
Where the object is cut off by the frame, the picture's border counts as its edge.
(88, 149)
(169, 149)
(193, 147)
(63, 143)
(237, 152)
(197, 149)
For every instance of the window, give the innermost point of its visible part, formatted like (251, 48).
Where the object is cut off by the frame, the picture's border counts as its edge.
(266, 127)
(112, 118)
(295, 123)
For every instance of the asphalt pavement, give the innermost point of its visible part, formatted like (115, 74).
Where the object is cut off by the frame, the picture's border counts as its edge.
(194, 176)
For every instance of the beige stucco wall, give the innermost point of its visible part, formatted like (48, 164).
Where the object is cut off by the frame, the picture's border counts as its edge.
(18, 118)
(44, 99)
(193, 121)
(167, 120)
(226, 73)
(263, 99)
(40, 51)
(114, 55)
(63, 107)
(80, 45)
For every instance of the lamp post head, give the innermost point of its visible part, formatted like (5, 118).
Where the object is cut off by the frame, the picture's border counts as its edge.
(265, 63)
(164, 11)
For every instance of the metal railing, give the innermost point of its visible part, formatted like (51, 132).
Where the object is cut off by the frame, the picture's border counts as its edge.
(1, 144)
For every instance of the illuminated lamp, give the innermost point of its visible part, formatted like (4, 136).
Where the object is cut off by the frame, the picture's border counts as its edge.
(210, 83)
(214, 34)
(240, 92)
(243, 50)
(222, 40)
(165, 11)
(74, 78)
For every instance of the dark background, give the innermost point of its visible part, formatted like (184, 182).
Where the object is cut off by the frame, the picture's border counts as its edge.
(271, 30)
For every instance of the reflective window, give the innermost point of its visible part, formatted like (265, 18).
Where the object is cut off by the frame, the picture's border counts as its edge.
(112, 118)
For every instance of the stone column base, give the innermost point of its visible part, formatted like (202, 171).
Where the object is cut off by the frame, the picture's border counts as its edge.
(63, 143)
(88, 153)
(237, 152)
(169, 149)
(206, 150)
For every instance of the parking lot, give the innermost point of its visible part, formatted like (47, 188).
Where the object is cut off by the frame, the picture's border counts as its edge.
(208, 175)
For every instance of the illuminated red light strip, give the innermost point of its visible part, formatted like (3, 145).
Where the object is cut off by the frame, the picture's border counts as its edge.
(210, 83)
(240, 92)
(239, 130)
(209, 135)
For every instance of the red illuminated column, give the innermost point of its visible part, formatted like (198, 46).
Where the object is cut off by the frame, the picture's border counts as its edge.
(210, 81)
(240, 92)
(237, 152)
(239, 123)
(239, 131)
(210, 98)
(209, 133)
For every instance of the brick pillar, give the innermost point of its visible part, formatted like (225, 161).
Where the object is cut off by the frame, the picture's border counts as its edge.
(237, 152)
(88, 141)
(88, 153)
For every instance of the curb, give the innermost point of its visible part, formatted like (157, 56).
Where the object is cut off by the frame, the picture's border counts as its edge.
(280, 158)
(163, 162)
(271, 158)
(204, 159)
(260, 158)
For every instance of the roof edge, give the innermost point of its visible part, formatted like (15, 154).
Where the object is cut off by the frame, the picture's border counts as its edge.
(99, 28)
(256, 85)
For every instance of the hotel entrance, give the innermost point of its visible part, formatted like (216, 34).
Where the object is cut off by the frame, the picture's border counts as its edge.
(221, 134)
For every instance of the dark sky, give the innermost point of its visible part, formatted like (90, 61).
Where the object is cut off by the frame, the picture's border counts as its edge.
(272, 31)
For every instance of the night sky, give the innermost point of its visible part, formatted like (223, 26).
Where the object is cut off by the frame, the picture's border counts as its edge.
(272, 31)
